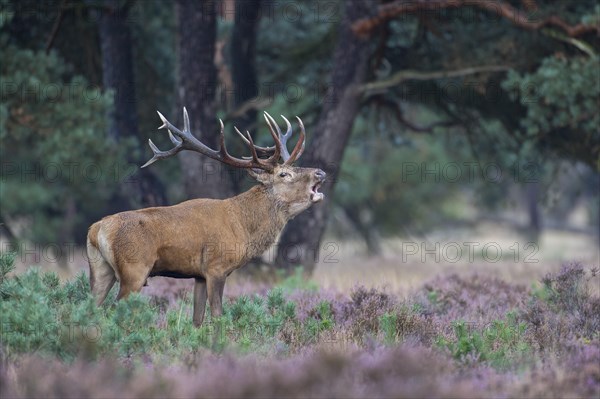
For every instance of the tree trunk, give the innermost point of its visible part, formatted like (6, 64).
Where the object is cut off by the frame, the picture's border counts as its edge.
(117, 74)
(197, 30)
(299, 244)
(117, 69)
(243, 58)
(243, 68)
(532, 193)
(362, 219)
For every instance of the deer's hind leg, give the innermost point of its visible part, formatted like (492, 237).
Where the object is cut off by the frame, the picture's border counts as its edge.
(102, 275)
(133, 277)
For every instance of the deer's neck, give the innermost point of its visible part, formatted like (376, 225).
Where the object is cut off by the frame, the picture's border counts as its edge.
(262, 217)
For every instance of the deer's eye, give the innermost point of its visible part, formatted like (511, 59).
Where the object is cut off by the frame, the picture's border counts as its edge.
(283, 174)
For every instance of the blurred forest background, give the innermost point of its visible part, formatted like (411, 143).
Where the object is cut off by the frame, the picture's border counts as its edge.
(426, 115)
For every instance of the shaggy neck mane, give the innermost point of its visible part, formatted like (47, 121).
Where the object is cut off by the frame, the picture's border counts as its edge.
(262, 216)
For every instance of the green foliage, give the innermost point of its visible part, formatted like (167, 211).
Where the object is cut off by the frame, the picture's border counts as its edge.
(255, 322)
(387, 324)
(153, 31)
(320, 320)
(294, 54)
(296, 281)
(39, 314)
(592, 18)
(404, 186)
(542, 292)
(396, 326)
(53, 144)
(562, 98)
(500, 343)
(7, 264)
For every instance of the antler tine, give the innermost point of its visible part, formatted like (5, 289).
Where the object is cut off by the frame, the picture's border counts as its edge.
(158, 154)
(241, 135)
(288, 132)
(284, 139)
(174, 139)
(285, 155)
(278, 146)
(186, 121)
(252, 146)
(185, 140)
(225, 156)
(299, 148)
(255, 162)
(264, 151)
(249, 142)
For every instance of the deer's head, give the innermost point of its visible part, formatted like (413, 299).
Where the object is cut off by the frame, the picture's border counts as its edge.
(293, 187)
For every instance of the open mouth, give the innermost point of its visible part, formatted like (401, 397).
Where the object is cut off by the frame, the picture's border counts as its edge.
(315, 195)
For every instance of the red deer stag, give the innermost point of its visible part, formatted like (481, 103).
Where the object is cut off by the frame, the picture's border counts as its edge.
(204, 239)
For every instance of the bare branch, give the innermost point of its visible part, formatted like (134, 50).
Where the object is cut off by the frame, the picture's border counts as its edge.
(255, 103)
(580, 44)
(402, 76)
(396, 108)
(365, 26)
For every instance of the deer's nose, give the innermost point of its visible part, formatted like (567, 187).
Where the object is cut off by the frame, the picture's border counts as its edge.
(319, 174)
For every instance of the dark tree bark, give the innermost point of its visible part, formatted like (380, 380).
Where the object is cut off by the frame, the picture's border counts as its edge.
(300, 242)
(243, 68)
(117, 74)
(117, 69)
(363, 220)
(532, 194)
(243, 71)
(197, 30)
(243, 58)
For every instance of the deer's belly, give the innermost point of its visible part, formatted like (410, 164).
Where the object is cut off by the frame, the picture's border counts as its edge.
(177, 262)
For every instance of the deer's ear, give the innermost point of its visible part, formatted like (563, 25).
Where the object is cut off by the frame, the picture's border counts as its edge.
(259, 174)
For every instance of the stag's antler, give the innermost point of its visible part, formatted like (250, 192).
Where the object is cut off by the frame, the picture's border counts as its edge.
(298, 149)
(283, 138)
(185, 140)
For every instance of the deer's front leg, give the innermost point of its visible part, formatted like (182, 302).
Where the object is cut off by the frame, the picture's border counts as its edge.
(215, 295)
(199, 301)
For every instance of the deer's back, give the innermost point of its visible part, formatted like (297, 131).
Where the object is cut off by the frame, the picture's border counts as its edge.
(173, 238)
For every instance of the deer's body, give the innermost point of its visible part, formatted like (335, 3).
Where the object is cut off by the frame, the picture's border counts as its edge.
(183, 239)
(204, 239)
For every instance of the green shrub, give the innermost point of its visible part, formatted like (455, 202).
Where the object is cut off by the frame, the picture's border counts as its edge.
(321, 319)
(398, 325)
(297, 281)
(7, 264)
(499, 343)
